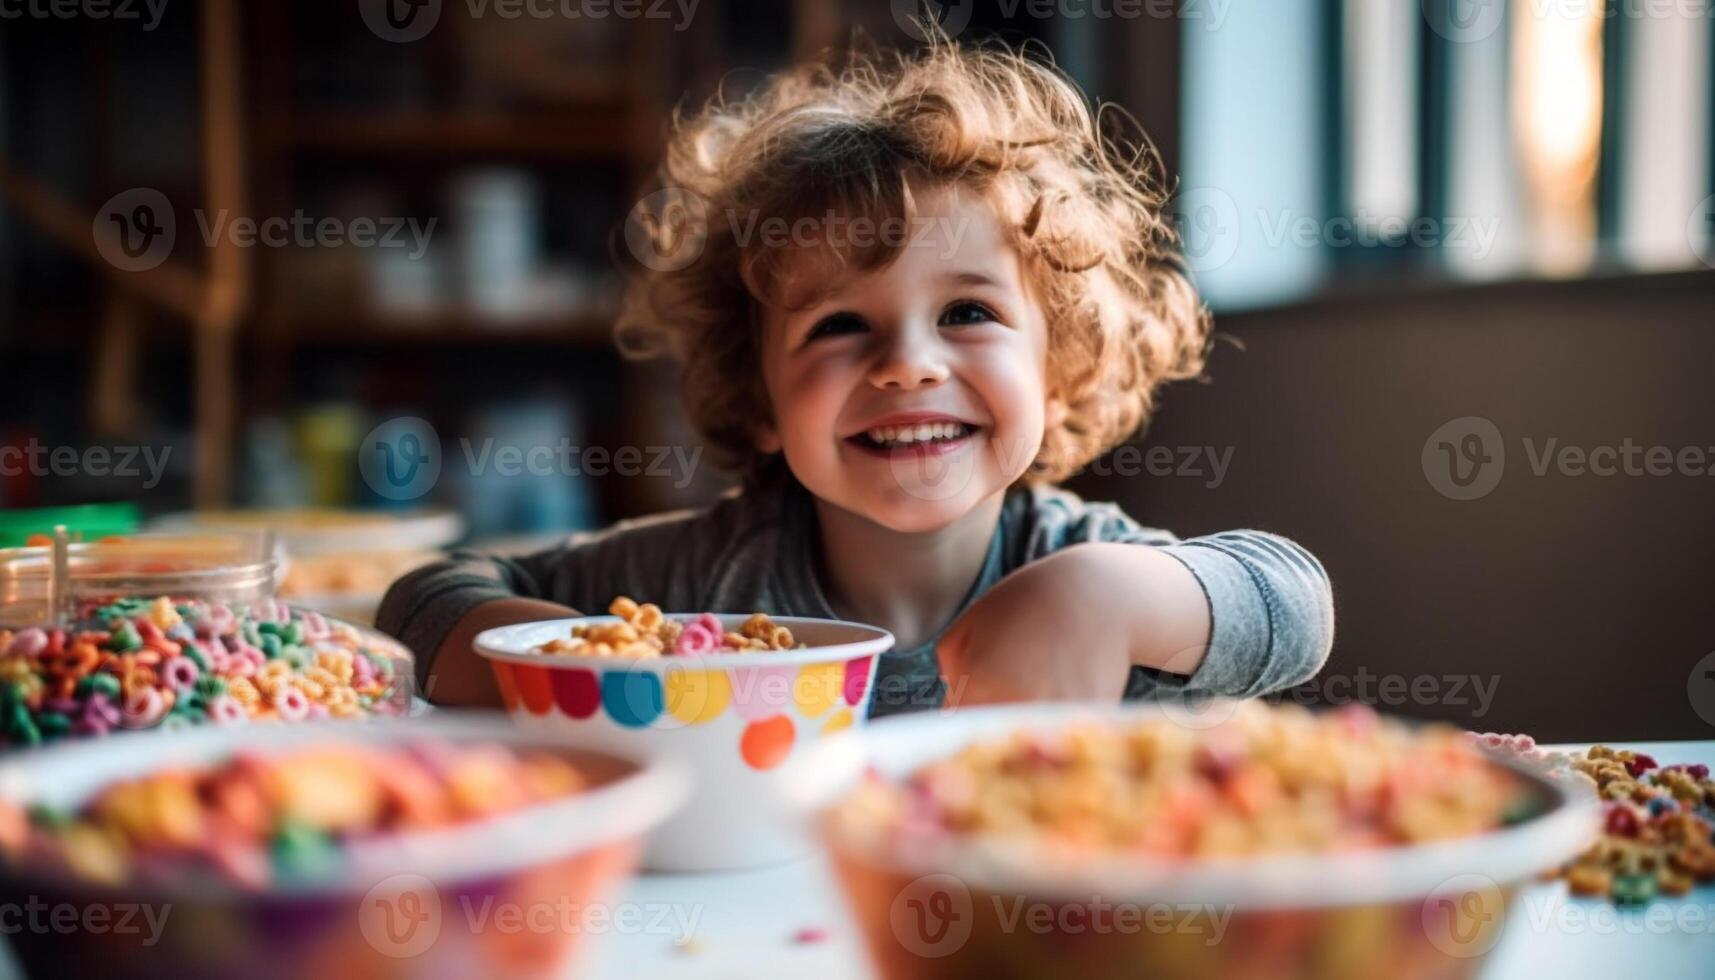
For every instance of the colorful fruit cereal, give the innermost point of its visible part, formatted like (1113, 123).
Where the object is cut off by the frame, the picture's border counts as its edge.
(257, 820)
(140, 663)
(644, 631)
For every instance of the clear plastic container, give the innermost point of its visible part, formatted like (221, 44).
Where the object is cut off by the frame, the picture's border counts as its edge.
(176, 631)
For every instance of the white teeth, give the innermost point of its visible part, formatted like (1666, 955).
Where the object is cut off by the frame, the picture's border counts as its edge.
(905, 435)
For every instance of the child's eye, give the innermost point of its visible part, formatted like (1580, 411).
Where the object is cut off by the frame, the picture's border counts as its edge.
(967, 313)
(836, 325)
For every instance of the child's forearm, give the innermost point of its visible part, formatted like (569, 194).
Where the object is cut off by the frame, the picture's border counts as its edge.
(1156, 602)
(458, 677)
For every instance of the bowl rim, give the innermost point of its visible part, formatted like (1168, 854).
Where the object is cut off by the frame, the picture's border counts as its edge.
(633, 803)
(1504, 856)
(501, 644)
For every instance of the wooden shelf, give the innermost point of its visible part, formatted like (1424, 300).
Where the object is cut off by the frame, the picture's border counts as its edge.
(585, 329)
(605, 133)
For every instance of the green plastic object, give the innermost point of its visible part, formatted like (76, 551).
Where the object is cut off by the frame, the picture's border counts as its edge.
(90, 521)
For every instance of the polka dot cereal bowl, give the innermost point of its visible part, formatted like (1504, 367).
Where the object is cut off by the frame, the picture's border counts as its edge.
(423, 904)
(735, 719)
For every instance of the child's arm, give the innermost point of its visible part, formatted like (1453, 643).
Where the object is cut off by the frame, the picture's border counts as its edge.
(1236, 614)
(439, 609)
(456, 677)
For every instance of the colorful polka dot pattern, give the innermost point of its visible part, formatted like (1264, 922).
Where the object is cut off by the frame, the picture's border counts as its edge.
(764, 697)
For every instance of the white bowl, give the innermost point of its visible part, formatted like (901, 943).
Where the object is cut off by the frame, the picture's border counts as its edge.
(1387, 909)
(578, 849)
(735, 719)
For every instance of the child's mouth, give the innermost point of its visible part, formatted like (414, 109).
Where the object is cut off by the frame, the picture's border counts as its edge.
(922, 439)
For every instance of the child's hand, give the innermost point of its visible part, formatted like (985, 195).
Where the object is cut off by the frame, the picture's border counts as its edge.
(1070, 627)
(1038, 635)
(458, 677)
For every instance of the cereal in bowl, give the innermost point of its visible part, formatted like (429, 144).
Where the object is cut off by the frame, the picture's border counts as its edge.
(644, 631)
(1267, 781)
(255, 820)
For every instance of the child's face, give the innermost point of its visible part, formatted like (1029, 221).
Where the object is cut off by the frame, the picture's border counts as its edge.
(911, 393)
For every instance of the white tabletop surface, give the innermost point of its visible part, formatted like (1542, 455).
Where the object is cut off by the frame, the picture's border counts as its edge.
(751, 924)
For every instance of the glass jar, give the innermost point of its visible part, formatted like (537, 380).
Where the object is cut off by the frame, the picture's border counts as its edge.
(170, 631)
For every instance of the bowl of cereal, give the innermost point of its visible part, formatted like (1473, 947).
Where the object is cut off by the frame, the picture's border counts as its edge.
(735, 697)
(409, 849)
(1145, 840)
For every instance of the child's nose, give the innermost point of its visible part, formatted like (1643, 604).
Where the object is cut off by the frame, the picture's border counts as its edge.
(908, 363)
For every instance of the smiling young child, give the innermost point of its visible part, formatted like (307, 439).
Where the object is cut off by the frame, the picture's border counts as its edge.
(908, 297)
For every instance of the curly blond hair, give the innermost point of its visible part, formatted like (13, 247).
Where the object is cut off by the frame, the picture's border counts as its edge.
(1084, 209)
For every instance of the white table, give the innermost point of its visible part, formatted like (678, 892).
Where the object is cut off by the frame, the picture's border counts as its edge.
(746, 923)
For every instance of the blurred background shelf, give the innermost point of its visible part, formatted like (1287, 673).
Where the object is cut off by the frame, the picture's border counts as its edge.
(603, 133)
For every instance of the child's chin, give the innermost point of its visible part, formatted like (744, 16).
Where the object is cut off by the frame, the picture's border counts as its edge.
(913, 515)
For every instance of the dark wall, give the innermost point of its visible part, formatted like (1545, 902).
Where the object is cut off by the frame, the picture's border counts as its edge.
(1583, 602)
